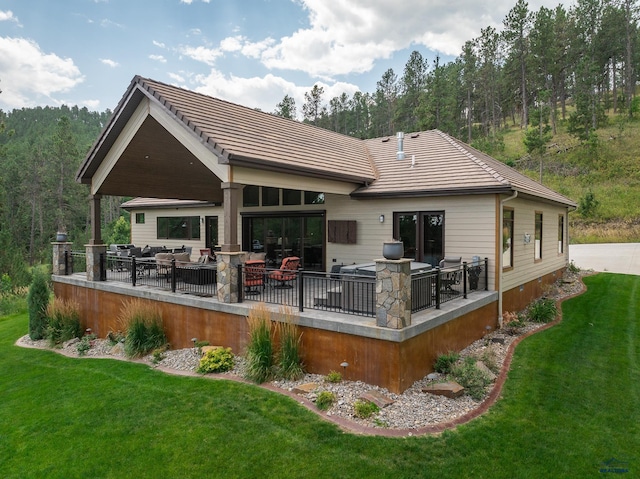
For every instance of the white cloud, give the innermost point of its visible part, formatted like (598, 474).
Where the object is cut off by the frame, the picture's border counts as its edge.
(7, 16)
(109, 63)
(158, 44)
(158, 58)
(29, 74)
(349, 36)
(92, 105)
(201, 54)
(263, 93)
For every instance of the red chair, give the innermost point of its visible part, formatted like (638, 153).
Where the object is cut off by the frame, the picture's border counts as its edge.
(287, 273)
(254, 274)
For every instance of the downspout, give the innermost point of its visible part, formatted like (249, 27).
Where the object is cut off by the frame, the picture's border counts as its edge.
(501, 255)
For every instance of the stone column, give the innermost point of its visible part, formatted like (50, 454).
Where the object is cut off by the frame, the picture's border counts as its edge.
(93, 260)
(59, 249)
(228, 275)
(393, 293)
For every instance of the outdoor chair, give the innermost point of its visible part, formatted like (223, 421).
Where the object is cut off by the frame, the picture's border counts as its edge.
(287, 273)
(451, 268)
(254, 274)
(207, 253)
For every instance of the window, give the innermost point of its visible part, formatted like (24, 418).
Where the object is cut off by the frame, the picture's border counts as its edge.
(537, 251)
(179, 227)
(507, 238)
(140, 218)
(313, 198)
(291, 197)
(561, 234)
(251, 196)
(270, 196)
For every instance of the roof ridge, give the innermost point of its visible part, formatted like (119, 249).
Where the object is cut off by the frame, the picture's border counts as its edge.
(492, 171)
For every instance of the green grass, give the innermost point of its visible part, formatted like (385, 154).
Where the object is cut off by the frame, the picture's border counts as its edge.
(572, 401)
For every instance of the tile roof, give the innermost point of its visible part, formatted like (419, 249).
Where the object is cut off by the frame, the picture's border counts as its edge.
(248, 137)
(243, 136)
(444, 165)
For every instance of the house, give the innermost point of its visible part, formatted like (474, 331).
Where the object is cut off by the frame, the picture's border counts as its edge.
(244, 180)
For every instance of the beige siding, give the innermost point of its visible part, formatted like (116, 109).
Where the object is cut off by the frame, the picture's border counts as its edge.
(146, 234)
(526, 268)
(469, 225)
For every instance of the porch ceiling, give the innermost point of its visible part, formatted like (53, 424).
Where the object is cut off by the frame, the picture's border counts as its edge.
(157, 165)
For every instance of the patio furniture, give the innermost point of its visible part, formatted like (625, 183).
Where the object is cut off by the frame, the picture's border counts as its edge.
(197, 273)
(254, 274)
(451, 267)
(287, 273)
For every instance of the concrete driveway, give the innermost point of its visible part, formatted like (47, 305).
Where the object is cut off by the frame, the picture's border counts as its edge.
(614, 258)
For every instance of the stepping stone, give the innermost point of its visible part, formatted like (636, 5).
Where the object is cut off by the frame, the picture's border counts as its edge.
(305, 388)
(449, 389)
(376, 398)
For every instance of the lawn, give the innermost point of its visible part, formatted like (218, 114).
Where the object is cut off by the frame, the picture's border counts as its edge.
(571, 405)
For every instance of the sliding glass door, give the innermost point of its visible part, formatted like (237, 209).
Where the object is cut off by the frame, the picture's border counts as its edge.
(280, 235)
(422, 234)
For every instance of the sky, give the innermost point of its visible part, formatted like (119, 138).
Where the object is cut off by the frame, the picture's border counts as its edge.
(250, 52)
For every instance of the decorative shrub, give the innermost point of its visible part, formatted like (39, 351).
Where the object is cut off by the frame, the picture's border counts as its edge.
(444, 362)
(472, 379)
(325, 400)
(63, 319)
(289, 362)
(543, 310)
(37, 301)
(512, 323)
(85, 344)
(216, 360)
(259, 357)
(365, 409)
(143, 325)
(333, 377)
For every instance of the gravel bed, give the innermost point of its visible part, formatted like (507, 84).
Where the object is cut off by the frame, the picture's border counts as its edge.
(411, 409)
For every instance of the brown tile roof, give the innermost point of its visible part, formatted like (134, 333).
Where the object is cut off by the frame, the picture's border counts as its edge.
(249, 137)
(245, 137)
(444, 165)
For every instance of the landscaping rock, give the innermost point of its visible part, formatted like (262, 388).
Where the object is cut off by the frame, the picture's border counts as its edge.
(376, 398)
(483, 367)
(305, 388)
(448, 389)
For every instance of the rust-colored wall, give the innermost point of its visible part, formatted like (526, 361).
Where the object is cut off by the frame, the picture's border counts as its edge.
(100, 310)
(395, 366)
(517, 299)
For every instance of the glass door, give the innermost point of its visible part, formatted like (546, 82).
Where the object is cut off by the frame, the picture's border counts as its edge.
(432, 237)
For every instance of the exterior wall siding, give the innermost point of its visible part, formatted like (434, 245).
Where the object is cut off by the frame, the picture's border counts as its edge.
(526, 268)
(147, 234)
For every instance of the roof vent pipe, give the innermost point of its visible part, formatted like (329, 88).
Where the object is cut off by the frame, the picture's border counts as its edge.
(400, 137)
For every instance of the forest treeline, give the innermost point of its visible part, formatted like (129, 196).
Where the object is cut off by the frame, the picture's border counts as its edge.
(546, 71)
(527, 74)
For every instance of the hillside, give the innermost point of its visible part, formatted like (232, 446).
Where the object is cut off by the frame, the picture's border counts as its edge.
(603, 177)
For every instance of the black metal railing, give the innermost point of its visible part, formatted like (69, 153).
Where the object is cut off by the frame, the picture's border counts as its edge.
(351, 294)
(300, 289)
